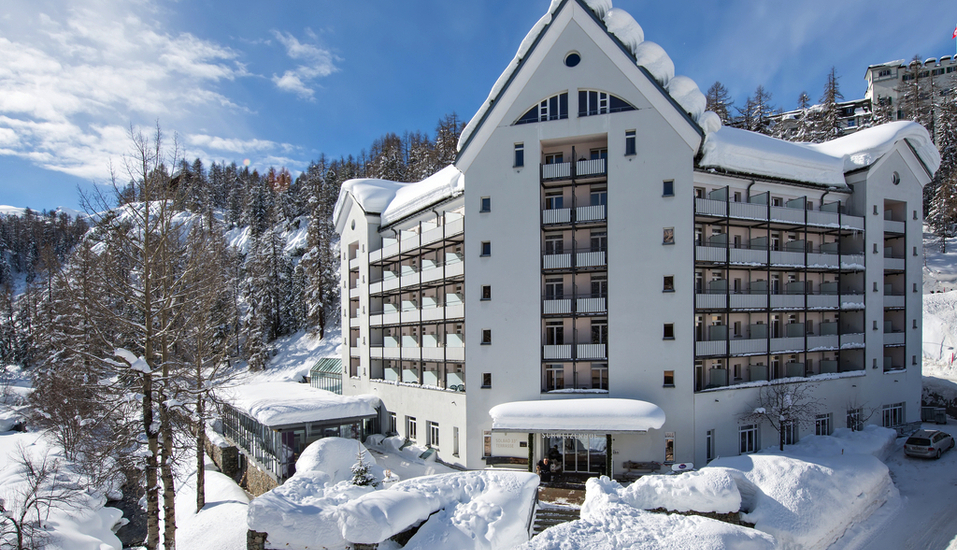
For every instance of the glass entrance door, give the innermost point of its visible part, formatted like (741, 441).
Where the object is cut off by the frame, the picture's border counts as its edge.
(576, 454)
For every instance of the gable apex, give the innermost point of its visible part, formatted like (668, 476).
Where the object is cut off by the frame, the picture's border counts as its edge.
(625, 34)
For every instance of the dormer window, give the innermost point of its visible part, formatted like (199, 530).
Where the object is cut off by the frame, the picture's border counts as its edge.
(593, 102)
(552, 108)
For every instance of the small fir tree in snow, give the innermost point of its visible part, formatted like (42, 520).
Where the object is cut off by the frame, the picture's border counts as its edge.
(361, 475)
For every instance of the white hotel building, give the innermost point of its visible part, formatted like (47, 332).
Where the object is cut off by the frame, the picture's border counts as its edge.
(603, 248)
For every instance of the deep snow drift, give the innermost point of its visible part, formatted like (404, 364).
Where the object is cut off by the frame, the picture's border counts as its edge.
(319, 506)
(803, 499)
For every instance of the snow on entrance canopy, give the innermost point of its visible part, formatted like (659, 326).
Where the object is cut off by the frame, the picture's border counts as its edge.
(395, 200)
(741, 151)
(578, 415)
(282, 403)
(622, 26)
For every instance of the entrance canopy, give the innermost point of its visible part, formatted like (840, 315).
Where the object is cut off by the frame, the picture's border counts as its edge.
(577, 416)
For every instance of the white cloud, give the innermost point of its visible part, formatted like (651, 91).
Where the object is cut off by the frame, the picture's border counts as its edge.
(316, 62)
(72, 79)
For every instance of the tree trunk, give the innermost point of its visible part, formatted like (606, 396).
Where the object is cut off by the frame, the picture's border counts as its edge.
(152, 481)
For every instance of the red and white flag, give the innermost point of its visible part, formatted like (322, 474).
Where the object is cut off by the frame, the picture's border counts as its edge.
(955, 33)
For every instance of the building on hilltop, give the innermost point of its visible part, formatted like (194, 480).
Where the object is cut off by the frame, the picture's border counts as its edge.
(608, 277)
(886, 82)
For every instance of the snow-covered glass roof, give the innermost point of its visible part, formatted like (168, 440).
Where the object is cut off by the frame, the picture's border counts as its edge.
(601, 415)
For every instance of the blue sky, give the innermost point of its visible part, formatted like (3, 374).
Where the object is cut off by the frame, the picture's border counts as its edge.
(280, 82)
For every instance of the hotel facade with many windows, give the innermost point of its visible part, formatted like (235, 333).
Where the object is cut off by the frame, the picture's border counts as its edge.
(599, 238)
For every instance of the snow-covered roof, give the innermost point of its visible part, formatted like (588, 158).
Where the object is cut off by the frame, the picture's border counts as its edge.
(863, 148)
(741, 151)
(578, 415)
(622, 26)
(283, 403)
(395, 200)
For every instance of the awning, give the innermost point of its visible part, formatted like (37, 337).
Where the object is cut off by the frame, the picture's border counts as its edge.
(577, 416)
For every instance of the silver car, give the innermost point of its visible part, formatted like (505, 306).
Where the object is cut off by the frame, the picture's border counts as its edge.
(928, 443)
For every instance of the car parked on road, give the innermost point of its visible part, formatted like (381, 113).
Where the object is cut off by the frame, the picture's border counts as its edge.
(928, 443)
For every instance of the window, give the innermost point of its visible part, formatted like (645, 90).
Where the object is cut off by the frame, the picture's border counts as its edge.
(487, 443)
(554, 377)
(554, 201)
(822, 424)
(668, 188)
(486, 336)
(709, 446)
(554, 158)
(599, 286)
(552, 108)
(486, 380)
(599, 376)
(455, 441)
(599, 332)
(668, 235)
(748, 438)
(554, 289)
(790, 430)
(486, 204)
(599, 241)
(410, 428)
(572, 59)
(554, 333)
(669, 331)
(599, 196)
(433, 434)
(519, 155)
(486, 292)
(393, 425)
(486, 248)
(668, 284)
(630, 143)
(892, 415)
(593, 102)
(669, 381)
(554, 244)
(669, 448)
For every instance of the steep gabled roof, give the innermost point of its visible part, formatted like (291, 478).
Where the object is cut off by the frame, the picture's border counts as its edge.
(650, 59)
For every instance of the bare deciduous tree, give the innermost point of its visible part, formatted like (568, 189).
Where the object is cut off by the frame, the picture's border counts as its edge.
(784, 405)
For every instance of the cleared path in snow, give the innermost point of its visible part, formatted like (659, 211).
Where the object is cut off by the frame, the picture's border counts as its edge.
(927, 515)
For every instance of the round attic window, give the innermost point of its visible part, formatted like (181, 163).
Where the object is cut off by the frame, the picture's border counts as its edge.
(353, 224)
(572, 59)
(895, 178)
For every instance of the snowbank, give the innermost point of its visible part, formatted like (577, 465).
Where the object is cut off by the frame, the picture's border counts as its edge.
(807, 504)
(282, 403)
(302, 513)
(610, 524)
(702, 491)
(481, 510)
(320, 507)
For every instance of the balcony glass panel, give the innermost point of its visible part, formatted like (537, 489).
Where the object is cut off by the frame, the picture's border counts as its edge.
(553, 307)
(590, 213)
(557, 215)
(557, 352)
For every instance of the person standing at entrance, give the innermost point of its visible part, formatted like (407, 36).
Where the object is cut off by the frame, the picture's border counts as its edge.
(545, 470)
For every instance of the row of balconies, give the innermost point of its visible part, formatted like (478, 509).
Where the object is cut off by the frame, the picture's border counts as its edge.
(430, 272)
(392, 316)
(581, 214)
(764, 346)
(586, 258)
(758, 257)
(453, 380)
(747, 302)
(411, 241)
(788, 215)
(572, 352)
(438, 353)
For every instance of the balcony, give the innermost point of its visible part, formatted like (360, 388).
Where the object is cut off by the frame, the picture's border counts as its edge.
(894, 338)
(893, 261)
(354, 264)
(581, 214)
(891, 226)
(756, 254)
(827, 217)
(894, 301)
(573, 170)
(571, 352)
(585, 258)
